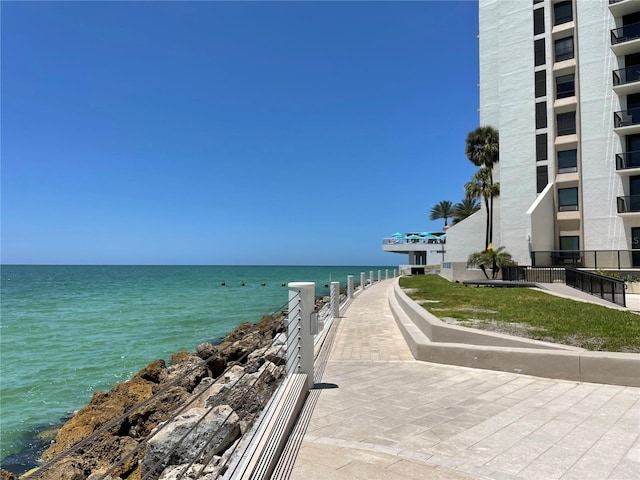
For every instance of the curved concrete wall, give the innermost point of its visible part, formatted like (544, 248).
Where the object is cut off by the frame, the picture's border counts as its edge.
(432, 340)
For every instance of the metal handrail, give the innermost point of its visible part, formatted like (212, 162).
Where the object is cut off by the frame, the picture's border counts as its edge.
(409, 241)
(595, 259)
(607, 288)
(625, 118)
(628, 203)
(626, 75)
(625, 33)
(627, 160)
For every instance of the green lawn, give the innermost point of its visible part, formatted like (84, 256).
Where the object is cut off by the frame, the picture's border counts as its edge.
(527, 312)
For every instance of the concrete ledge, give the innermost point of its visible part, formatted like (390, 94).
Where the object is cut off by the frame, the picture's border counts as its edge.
(438, 331)
(432, 340)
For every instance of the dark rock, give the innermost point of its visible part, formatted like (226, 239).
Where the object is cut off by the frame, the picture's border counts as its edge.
(186, 372)
(141, 421)
(67, 468)
(152, 372)
(4, 475)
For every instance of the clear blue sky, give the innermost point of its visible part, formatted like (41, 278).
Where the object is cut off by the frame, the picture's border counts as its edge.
(231, 132)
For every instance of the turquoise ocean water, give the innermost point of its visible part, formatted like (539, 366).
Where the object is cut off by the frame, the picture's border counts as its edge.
(67, 331)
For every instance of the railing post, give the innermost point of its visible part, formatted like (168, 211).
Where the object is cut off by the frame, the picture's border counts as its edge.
(362, 281)
(395, 273)
(379, 275)
(299, 338)
(334, 292)
(371, 277)
(349, 286)
(386, 274)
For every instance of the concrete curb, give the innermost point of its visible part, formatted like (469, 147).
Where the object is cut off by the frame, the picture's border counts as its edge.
(432, 340)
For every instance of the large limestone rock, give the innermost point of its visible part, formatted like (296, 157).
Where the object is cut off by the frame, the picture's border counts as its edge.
(193, 436)
(252, 364)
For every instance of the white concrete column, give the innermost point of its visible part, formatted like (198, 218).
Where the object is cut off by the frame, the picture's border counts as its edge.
(335, 299)
(386, 274)
(395, 273)
(299, 338)
(371, 277)
(349, 286)
(362, 281)
(379, 275)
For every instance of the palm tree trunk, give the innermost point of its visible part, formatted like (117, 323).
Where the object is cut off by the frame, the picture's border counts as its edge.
(491, 222)
(486, 234)
(491, 212)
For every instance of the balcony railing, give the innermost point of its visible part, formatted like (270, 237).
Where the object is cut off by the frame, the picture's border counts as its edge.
(595, 259)
(626, 118)
(630, 203)
(627, 160)
(626, 75)
(410, 241)
(625, 34)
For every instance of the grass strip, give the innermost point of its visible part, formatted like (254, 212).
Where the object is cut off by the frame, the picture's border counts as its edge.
(528, 313)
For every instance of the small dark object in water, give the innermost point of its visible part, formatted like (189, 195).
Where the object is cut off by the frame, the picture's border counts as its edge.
(242, 284)
(263, 284)
(223, 284)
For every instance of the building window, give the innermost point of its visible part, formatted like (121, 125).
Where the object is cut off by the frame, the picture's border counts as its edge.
(562, 13)
(541, 115)
(570, 242)
(564, 49)
(541, 147)
(565, 86)
(538, 51)
(566, 123)
(568, 161)
(568, 199)
(541, 83)
(542, 178)
(538, 21)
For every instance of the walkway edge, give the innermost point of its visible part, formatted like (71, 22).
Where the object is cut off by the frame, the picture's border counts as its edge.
(431, 340)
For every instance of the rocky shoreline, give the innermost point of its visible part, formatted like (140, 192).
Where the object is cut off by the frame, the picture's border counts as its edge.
(189, 415)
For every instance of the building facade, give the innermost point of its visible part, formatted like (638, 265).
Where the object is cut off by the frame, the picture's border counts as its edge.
(560, 80)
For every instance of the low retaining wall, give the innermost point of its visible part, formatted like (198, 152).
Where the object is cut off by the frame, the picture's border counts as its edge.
(432, 340)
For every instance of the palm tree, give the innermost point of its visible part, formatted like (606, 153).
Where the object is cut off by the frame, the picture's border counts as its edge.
(465, 208)
(483, 149)
(481, 186)
(490, 258)
(444, 210)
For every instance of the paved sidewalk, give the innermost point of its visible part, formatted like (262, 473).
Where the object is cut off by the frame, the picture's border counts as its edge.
(376, 413)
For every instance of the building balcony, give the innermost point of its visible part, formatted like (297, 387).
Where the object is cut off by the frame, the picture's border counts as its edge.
(629, 204)
(627, 122)
(628, 161)
(625, 40)
(619, 8)
(627, 80)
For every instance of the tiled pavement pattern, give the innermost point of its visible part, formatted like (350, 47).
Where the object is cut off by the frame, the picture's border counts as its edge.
(378, 414)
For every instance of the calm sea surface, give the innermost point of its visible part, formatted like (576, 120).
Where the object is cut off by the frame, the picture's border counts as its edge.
(67, 331)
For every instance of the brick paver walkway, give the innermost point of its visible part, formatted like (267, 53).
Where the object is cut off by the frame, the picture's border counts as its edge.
(379, 414)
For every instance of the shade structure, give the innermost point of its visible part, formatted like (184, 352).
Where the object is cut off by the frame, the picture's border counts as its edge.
(428, 236)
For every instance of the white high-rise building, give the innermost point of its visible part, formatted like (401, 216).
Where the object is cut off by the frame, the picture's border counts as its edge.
(560, 80)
